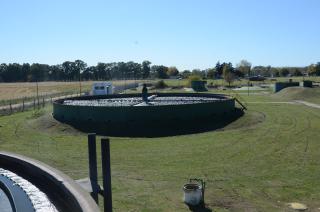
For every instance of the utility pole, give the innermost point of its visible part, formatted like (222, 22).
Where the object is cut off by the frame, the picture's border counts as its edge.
(80, 82)
(248, 79)
(37, 93)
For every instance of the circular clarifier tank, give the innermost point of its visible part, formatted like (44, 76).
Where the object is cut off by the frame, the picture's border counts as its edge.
(129, 115)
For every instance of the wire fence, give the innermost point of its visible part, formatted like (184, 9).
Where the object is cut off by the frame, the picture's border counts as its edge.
(8, 107)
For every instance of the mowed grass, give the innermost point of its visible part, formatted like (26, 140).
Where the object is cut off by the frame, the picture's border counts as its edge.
(243, 82)
(262, 161)
(299, 93)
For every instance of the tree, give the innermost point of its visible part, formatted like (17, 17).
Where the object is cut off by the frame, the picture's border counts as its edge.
(89, 73)
(160, 71)
(186, 73)
(80, 66)
(69, 70)
(314, 69)
(244, 67)
(3, 70)
(284, 72)
(228, 73)
(39, 72)
(197, 72)
(13, 73)
(56, 73)
(172, 71)
(101, 71)
(211, 73)
(297, 72)
(25, 70)
(219, 69)
(134, 70)
(269, 72)
(146, 69)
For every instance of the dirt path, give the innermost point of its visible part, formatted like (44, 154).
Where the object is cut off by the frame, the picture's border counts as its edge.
(309, 104)
(294, 102)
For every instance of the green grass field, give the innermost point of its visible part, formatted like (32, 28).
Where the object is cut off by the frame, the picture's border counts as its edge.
(264, 160)
(242, 82)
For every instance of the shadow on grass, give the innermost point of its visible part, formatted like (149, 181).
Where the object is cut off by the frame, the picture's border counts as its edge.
(163, 129)
(199, 208)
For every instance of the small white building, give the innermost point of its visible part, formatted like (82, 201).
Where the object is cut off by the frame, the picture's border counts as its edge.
(102, 88)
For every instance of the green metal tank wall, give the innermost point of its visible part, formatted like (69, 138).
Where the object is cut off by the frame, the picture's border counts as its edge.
(278, 86)
(199, 85)
(133, 118)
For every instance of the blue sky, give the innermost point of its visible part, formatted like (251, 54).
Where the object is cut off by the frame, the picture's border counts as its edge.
(184, 33)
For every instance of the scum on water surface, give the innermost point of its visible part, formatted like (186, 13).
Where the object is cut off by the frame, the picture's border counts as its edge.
(135, 101)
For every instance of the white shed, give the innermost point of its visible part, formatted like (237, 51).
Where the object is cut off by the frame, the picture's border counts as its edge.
(102, 88)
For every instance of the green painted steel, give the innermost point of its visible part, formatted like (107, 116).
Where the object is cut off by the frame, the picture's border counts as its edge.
(138, 118)
(278, 86)
(198, 85)
(306, 83)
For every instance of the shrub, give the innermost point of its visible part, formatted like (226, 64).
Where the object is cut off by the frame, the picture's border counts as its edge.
(160, 84)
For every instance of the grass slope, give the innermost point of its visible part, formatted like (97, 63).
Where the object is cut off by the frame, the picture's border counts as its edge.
(249, 166)
(299, 93)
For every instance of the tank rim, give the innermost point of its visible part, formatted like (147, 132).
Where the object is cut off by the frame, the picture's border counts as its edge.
(221, 97)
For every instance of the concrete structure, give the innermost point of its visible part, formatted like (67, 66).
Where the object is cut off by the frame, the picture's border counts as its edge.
(62, 191)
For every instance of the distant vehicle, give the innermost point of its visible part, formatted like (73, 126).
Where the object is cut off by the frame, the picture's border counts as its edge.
(102, 88)
(257, 78)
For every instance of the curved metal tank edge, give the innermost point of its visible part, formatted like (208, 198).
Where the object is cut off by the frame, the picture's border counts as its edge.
(113, 117)
(52, 180)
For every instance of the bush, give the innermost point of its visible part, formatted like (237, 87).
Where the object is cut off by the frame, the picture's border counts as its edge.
(160, 84)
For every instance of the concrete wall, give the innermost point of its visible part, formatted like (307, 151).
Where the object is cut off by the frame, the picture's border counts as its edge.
(62, 191)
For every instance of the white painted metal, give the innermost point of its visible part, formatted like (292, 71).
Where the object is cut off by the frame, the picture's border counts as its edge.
(192, 194)
(102, 88)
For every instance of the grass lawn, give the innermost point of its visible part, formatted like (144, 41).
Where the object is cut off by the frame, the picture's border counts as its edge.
(262, 161)
(298, 93)
(242, 82)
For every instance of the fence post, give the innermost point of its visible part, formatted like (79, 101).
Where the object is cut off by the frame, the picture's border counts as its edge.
(10, 107)
(93, 172)
(43, 103)
(106, 173)
(34, 104)
(22, 104)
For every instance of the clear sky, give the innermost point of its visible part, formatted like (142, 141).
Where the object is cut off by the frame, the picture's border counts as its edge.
(184, 33)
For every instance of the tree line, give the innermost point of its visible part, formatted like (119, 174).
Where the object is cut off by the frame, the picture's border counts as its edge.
(79, 70)
(245, 69)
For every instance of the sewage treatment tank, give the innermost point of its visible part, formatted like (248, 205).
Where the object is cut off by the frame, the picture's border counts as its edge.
(128, 114)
